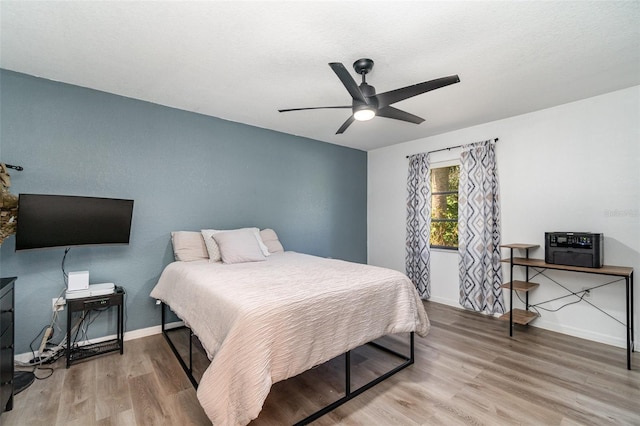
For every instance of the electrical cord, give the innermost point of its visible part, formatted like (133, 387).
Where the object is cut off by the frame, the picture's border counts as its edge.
(33, 352)
(55, 351)
(36, 362)
(83, 330)
(65, 276)
(73, 343)
(537, 306)
(579, 294)
(51, 370)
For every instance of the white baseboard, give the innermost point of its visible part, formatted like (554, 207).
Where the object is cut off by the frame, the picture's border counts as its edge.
(570, 331)
(129, 335)
(581, 333)
(150, 331)
(447, 302)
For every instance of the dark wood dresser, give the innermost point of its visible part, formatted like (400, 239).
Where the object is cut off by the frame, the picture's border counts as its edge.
(6, 343)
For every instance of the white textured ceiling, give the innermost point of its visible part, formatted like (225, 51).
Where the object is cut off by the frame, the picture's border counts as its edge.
(242, 61)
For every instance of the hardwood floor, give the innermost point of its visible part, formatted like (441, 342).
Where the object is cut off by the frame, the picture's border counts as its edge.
(467, 371)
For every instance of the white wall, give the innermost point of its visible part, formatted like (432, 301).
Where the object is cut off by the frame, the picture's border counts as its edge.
(574, 167)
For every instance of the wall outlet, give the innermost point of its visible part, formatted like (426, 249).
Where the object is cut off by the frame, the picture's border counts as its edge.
(57, 304)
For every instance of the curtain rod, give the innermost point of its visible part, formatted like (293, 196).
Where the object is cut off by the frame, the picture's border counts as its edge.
(448, 149)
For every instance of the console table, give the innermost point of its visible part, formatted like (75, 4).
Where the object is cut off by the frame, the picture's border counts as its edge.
(83, 305)
(617, 271)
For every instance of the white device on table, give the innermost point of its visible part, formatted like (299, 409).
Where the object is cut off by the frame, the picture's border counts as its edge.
(93, 290)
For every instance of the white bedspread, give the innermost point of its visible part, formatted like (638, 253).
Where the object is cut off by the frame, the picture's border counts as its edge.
(262, 322)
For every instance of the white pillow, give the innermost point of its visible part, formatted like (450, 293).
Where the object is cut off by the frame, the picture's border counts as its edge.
(238, 246)
(212, 246)
(188, 246)
(270, 239)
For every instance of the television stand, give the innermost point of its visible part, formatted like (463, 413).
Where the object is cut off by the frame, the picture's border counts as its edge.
(82, 306)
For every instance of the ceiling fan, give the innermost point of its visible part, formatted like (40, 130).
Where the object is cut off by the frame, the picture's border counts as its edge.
(366, 104)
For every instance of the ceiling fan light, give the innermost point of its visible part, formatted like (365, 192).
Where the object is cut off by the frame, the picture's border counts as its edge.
(364, 114)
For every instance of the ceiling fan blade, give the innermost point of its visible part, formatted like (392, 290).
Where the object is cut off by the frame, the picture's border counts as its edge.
(345, 125)
(302, 109)
(398, 114)
(348, 81)
(393, 96)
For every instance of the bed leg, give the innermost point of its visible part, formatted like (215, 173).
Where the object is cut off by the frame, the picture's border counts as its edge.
(163, 316)
(412, 357)
(347, 373)
(188, 370)
(190, 351)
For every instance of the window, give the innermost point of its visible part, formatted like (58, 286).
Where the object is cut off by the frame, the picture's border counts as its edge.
(444, 207)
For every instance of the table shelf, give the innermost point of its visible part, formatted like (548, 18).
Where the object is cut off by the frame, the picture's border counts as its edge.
(521, 285)
(520, 316)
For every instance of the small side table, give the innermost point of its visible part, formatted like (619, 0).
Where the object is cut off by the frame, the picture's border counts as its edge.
(86, 304)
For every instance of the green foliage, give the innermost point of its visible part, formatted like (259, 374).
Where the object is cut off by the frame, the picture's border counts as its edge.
(444, 207)
(444, 234)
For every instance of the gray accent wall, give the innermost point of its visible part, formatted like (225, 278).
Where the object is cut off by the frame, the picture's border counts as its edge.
(185, 171)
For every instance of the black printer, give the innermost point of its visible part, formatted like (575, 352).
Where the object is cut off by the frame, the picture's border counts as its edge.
(574, 249)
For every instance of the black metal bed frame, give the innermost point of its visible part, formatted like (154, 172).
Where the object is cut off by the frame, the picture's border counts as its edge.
(349, 393)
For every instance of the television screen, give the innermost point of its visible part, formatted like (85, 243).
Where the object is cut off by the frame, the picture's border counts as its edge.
(65, 221)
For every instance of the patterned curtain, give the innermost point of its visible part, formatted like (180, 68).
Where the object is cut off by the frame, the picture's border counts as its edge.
(479, 229)
(419, 223)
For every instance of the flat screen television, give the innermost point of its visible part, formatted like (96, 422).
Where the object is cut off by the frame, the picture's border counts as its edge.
(67, 221)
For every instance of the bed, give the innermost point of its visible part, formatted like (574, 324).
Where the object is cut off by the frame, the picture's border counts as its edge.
(267, 320)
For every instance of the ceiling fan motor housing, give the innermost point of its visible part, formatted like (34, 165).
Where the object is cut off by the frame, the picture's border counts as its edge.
(369, 93)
